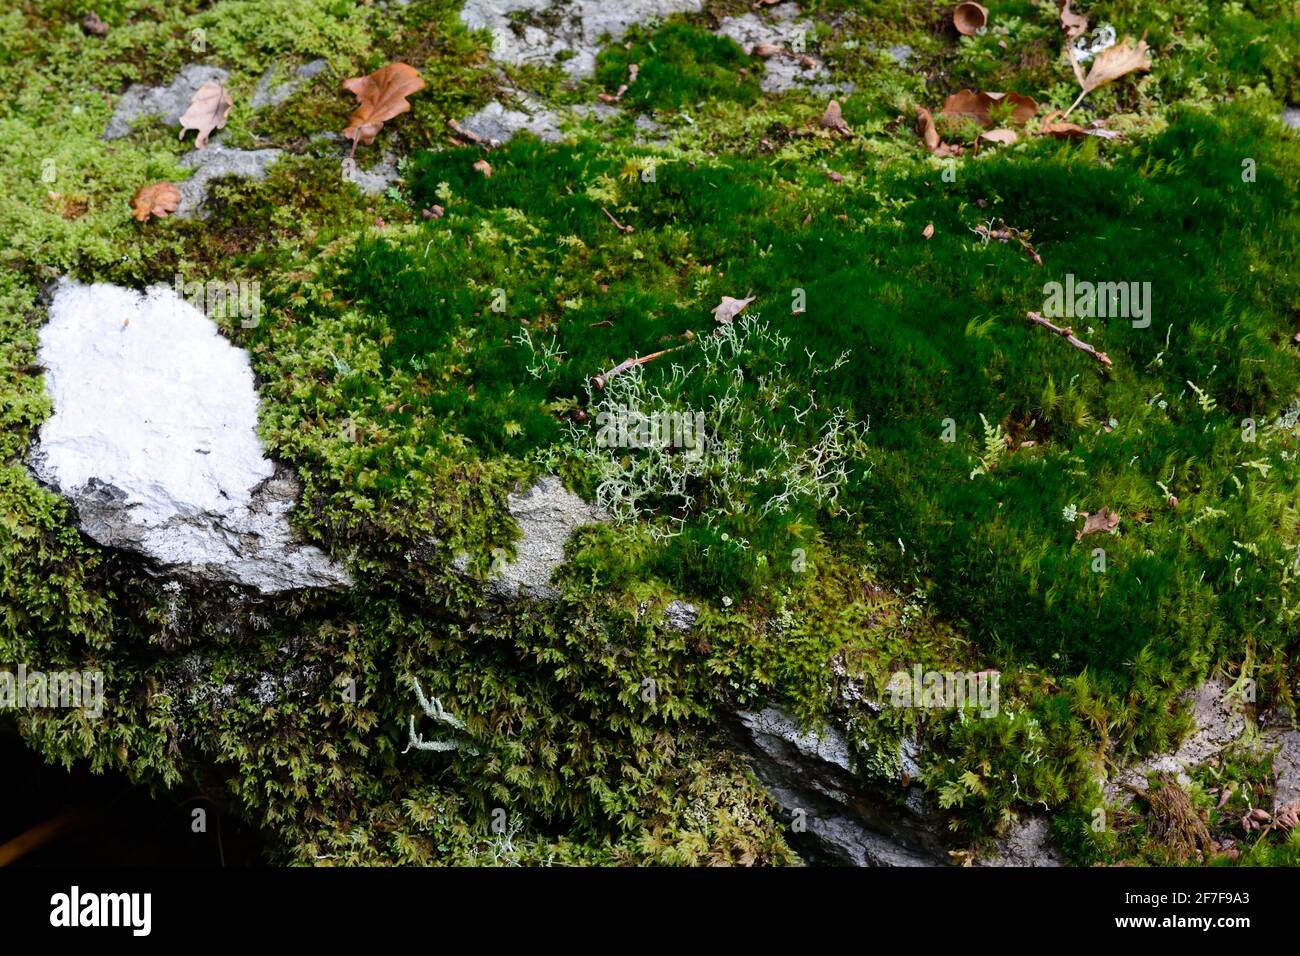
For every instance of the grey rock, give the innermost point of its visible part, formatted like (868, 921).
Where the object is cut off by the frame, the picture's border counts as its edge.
(267, 94)
(845, 820)
(680, 616)
(498, 123)
(153, 440)
(1291, 116)
(166, 102)
(778, 26)
(900, 53)
(1217, 723)
(1027, 844)
(1286, 765)
(547, 514)
(565, 32)
(377, 178)
(218, 162)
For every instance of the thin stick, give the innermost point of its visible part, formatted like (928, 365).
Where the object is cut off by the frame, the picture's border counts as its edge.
(621, 227)
(37, 836)
(601, 380)
(1068, 335)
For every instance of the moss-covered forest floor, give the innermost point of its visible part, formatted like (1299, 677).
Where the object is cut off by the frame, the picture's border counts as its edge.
(898, 469)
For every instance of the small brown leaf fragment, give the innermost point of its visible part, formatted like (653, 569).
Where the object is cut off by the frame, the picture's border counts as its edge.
(1004, 136)
(1116, 61)
(928, 231)
(484, 167)
(833, 118)
(157, 199)
(766, 50)
(978, 107)
(93, 26)
(1104, 520)
(835, 177)
(969, 18)
(1287, 816)
(208, 110)
(381, 96)
(729, 308)
(1074, 24)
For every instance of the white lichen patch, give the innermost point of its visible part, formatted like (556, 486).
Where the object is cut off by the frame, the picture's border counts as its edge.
(153, 439)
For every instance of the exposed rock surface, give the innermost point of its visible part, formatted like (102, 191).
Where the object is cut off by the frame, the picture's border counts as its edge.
(1217, 724)
(779, 27)
(540, 31)
(547, 514)
(218, 162)
(680, 616)
(165, 102)
(1027, 844)
(840, 819)
(1291, 116)
(153, 440)
(269, 93)
(497, 123)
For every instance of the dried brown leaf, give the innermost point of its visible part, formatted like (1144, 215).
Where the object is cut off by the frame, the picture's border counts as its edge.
(208, 110)
(381, 96)
(484, 167)
(833, 118)
(1004, 136)
(978, 106)
(157, 199)
(928, 231)
(1119, 60)
(1103, 521)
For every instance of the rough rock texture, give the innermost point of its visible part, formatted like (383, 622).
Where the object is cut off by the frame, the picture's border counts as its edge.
(779, 27)
(844, 820)
(1217, 724)
(1028, 844)
(153, 440)
(1291, 116)
(498, 123)
(377, 178)
(267, 95)
(546, 514)
(537, 31)
(166, 102)
(1286, 765)
(217, 162)
(680, 616)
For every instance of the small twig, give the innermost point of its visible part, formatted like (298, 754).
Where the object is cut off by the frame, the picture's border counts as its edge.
(601, 380)
(1068, 335)
(621, 227)
(468, 135)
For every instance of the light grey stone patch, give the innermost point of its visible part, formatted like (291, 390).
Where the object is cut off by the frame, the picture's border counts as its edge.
(218, 162)
(166, 102)
(267, 94)
(153, 440)
(680, 616)
(900, 53)
(648, 132)
(1217, 722)
(828, 746)
(780, 27)
(1027, 844)
(544, 32)
(600, 112)
(1291, 116)
(377, 178)
(547, 514)
(497, 123)
(1286, 766)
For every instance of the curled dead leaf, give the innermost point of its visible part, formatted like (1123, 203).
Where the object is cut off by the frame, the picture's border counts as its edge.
(729, 308)
(1074, 24)
(1119, 60)
(1104, 521)
(93, 26)
(969, 18)
(968, 104)
(928, 231)
(157, 199)
(380, 96)
(208, 110)
(1003, 136)
(484, 167)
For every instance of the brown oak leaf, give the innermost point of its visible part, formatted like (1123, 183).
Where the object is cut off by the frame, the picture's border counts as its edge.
(484, 167)
(1119, 60)
(833, 118)
(381, 96)
(206, 112)
(978, 106)
(156, 199)
(1104, 520)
